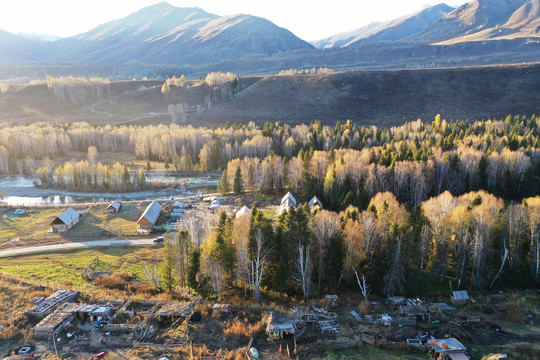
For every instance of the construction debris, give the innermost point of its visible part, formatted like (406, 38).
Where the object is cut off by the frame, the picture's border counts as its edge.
(43, 308)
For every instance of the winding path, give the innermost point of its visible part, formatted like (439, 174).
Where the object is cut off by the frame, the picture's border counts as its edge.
(75, 245)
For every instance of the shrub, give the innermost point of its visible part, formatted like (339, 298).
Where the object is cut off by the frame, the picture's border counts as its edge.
(117, 280)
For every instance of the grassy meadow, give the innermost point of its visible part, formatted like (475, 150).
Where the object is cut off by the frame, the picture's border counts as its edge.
(64, 268)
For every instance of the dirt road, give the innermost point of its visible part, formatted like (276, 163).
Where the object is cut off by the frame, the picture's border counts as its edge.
(75, 245)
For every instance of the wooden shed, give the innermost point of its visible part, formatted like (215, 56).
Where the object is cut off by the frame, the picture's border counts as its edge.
(149, 217)
(447, 349)
(331, 300)
(460, 297)
(278, 325)
(114, 207)
(65, 221)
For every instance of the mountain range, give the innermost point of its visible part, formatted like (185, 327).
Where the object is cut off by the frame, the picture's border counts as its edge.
(164, 34)
(478, 20)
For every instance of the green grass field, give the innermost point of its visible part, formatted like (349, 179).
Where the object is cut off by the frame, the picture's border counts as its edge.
(65, 267)
(36, 222)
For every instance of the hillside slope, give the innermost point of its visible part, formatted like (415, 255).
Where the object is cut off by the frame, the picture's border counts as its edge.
(386, 97)
(16, 49)
(368, 97)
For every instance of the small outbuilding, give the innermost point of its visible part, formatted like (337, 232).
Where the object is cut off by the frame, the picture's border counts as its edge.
(52, 325)
(315, 203)
(65, 221)
(175, 215)
(460, 297)
(180, 205)
(447, 349)
(114, 207)
(91, 312)
(331, 300)
(244, 210)
(149, 217)
(278, 325)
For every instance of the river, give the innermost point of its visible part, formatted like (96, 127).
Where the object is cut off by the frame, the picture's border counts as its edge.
(20, 190)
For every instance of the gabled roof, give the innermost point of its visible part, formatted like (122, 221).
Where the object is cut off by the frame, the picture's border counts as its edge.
(315, 200)
(290, 197)
(151, 213)
(115, 204)
(67, 217)
(243, 211)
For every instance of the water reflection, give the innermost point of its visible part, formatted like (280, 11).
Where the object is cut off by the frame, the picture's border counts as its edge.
(14, 188)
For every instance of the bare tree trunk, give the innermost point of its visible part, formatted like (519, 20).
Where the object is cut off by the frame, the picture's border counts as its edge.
(364, 287)
(504, 256)
(303, 269)
(153, 278)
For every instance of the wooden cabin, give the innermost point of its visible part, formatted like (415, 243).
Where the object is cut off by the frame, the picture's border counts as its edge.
(65, 221)
(149, 217)
(315, 203)
(288, 201)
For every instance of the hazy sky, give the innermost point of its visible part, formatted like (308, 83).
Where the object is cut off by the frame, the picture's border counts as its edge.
(310, 20)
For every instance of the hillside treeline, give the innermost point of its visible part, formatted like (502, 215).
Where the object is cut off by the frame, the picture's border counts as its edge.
(414, 161)
(472, 240)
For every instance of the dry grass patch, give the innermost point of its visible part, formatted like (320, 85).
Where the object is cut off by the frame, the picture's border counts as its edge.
(513, 309)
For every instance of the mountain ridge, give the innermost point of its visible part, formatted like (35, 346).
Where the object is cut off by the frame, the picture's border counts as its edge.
(165, 34)
(390, 30)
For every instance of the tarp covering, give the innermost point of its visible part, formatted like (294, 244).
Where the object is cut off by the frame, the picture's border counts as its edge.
(458, 356)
